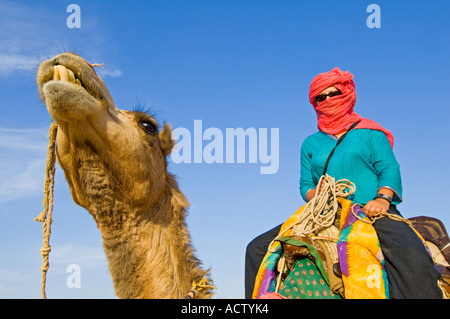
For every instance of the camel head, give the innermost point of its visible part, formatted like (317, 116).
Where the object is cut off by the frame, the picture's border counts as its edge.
(115, 164)
(96, 141)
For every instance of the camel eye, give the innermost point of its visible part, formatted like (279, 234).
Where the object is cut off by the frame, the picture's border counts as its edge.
(148, 127)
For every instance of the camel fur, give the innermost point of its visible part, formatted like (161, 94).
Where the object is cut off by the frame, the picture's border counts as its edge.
(115, 164)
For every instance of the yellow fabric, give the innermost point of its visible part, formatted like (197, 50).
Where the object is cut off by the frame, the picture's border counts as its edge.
(362, 267)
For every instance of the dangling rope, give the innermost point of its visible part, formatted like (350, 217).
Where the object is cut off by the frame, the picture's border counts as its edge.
(45, 217)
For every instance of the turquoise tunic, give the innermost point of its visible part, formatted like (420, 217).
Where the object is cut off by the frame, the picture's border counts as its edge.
(364, 157)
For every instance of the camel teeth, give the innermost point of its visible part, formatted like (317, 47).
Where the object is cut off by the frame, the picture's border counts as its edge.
(71, 76)
(61, 73)
(56, 76)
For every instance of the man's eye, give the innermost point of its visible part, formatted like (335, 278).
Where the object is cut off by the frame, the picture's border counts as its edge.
(148, 127)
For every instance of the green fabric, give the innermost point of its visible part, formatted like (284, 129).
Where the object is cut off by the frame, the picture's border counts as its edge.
(364, 157)
(311, 249)
(306, 282)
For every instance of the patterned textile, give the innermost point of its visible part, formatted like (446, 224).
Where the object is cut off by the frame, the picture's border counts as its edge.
(266, 278)
(360, 259)
(305, 281)
(360, 255)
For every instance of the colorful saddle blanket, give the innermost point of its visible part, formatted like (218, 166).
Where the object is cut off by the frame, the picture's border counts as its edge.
(360, 258)
(305, 281)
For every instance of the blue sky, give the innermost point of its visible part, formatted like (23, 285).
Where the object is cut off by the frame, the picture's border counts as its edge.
(230, 64)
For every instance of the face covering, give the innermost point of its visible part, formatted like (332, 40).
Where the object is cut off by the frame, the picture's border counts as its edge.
(335, 114)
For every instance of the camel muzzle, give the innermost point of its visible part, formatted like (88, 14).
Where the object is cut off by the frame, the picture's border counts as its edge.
(71, 88)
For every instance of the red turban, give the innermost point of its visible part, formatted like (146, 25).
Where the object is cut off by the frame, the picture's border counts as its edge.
(336, 114)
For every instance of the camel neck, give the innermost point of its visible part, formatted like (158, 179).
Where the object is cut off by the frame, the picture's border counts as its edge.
(149, 253)
(148, 249)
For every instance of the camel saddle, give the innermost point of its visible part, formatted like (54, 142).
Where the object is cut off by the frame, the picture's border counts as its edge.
(437, 240)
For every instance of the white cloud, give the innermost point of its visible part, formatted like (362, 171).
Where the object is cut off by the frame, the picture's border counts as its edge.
(23, 34)
(114, 73)
(31, 34)
(10, 62)
(22, 164)
(27, 139)
(13, 276)
(76, 253)
(23, 181)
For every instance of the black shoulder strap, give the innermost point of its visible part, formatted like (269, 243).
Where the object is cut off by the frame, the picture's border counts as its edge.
(338, 142)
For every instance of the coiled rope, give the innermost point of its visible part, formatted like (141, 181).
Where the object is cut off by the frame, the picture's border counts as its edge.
(45, 217)
(317, 218)
(320, 212)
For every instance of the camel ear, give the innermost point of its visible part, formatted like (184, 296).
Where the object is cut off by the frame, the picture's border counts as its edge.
(165, 139)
